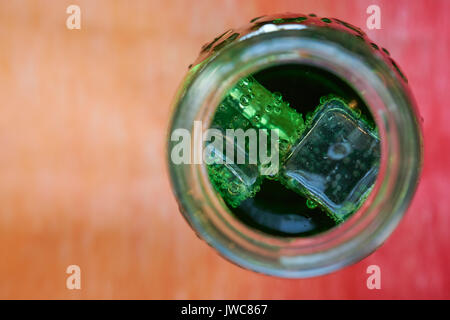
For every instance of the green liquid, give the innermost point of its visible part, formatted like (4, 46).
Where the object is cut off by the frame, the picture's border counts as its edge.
(282, 97)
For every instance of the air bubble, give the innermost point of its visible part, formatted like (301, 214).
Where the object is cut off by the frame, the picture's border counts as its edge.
(339, 150)
(245, 100)
(277, 96)
(233, 188)
(277, 110)
(246, 82)
(311, 204)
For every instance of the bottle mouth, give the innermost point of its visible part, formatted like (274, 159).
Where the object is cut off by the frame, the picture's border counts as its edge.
(323, 165)
(392, 108)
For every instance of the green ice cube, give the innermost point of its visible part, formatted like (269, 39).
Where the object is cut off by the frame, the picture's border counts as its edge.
(248, 105)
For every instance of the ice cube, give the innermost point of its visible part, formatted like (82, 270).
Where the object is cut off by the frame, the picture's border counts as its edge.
(335, 161)
(248, 105)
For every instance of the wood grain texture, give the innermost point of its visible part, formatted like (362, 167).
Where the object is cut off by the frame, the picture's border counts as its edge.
(83, 120)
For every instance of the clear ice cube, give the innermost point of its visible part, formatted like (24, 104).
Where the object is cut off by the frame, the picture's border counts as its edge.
(336, 160)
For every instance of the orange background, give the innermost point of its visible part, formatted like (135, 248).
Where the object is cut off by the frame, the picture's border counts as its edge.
(83, 180)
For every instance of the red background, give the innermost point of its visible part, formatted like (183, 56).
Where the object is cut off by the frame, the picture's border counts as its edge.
(83, 181)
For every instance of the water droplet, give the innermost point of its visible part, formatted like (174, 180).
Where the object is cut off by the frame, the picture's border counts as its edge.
(277, 96)
(257, 18)
(268, 108)
(300, 19)
(311, 204)
(233, 188)
(294, 117)
(246, 82)
(277, 110)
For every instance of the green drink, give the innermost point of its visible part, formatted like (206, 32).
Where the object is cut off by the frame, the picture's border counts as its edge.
(328, 159)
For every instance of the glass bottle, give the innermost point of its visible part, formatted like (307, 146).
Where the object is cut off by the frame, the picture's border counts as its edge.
(337, 56)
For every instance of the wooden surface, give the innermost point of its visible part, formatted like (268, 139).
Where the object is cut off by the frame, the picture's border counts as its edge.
(83, 118)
